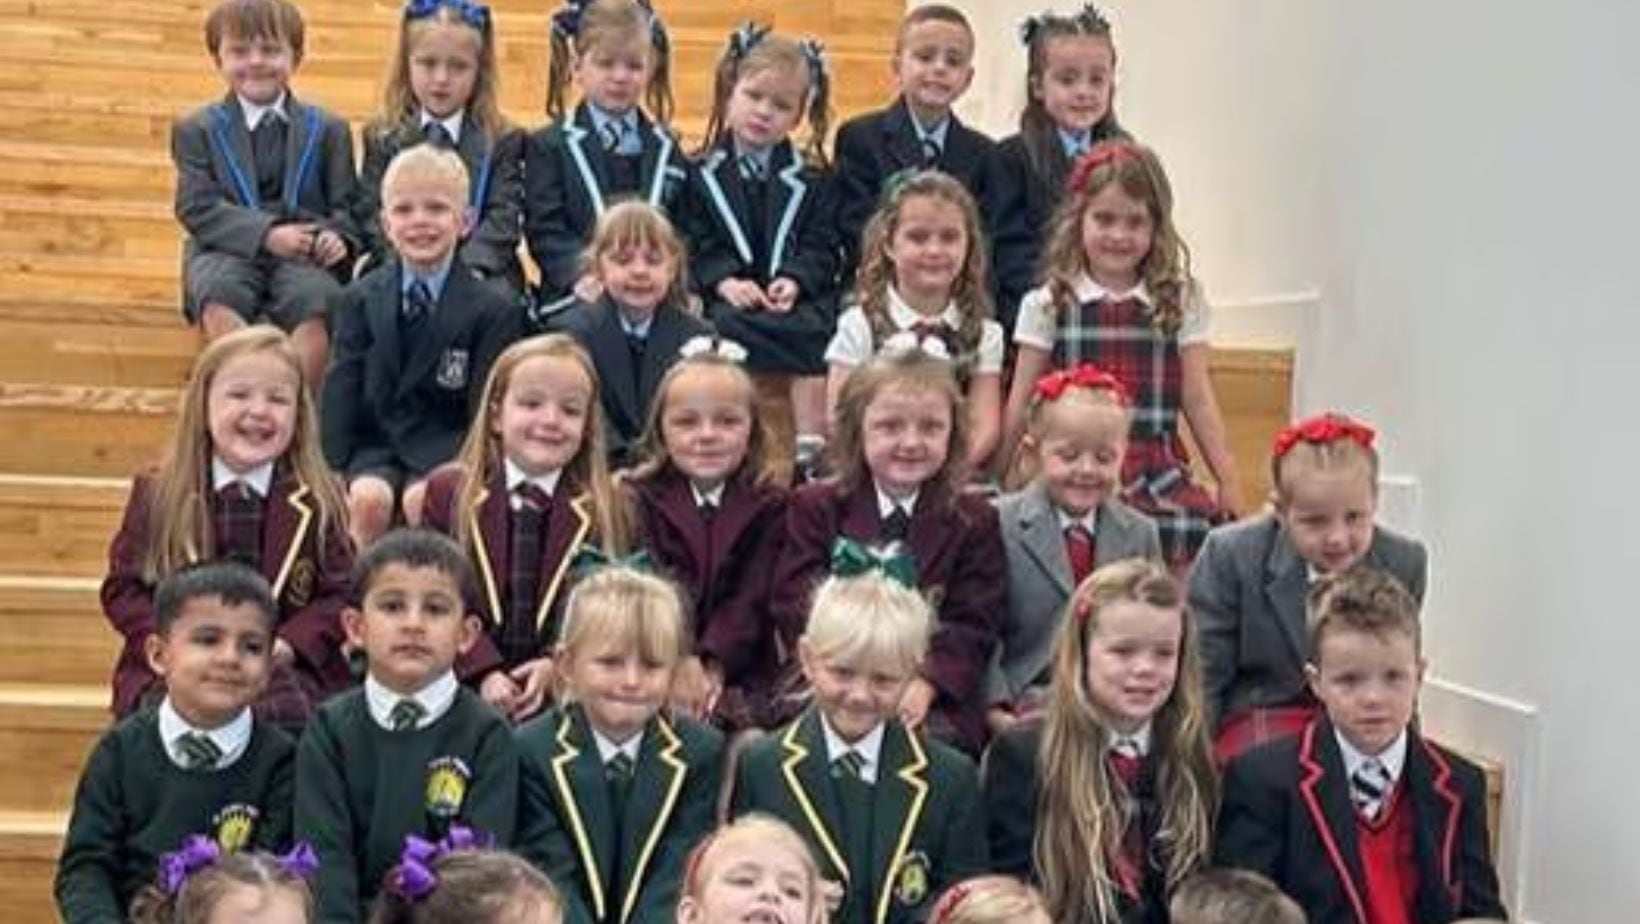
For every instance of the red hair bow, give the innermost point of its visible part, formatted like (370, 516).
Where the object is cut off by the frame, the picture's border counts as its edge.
(1325, 428)
(947, 905)
(1103, 154)
(1053, 386)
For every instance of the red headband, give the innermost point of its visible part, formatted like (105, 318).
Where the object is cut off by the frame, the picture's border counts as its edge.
(1322, 429)
(1053, 386)
(1103, 154)
(947, 905)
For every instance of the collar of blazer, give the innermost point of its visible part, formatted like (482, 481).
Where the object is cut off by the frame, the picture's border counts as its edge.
(1039, 527)
(668, 493)
(900, 793)
(578, 773)
(285, 538)
(655, 160)
(1286, 585)
(791, 182)
(490, 516)
(233, 144)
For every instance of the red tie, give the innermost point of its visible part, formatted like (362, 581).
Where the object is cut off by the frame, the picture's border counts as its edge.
(1079, 549)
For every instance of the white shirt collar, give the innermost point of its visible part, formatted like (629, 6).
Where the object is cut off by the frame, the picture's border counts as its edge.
(869, 747)
(1088, 521)
(255, 112)
(516, 477)
(1088, 290)
(1393, 757)
(451, 123)
(233, 739)
(608, 748)
(905, 317)
(259, 478)
(436, 699)
(887, 502)
(713, 496)
(1141, 737)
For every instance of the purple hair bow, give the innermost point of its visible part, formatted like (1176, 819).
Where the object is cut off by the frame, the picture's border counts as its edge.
(414, 879)
(199, 852)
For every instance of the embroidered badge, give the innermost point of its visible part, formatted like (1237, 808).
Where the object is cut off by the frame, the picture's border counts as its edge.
(452, 369)
(234, 826)
(447, 779)
(911, 879)
(299, 586)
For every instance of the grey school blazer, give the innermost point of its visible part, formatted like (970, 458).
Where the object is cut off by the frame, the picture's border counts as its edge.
(1039, 578)
(1247, 594)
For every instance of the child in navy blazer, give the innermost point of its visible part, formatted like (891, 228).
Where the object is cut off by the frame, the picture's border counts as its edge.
(1358, 817)
(1248, 585)
(608, 147)
(412, 349)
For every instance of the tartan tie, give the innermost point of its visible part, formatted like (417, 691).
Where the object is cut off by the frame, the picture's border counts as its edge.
(406, 715)
(1079, 549)
(519, 633)
(438, 136)
(1369, 785)
(897, 525)
(850, 764)
(239, 524)
(198, 751)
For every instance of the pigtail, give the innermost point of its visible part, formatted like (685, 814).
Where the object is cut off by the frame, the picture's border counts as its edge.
(566, 23)
(1036, 127)
(659, 93)
(741, 41)
(814, 56)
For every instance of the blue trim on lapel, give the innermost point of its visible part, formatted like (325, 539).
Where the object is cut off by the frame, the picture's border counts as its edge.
(481, 189)
(792, 177)
(220, 120)
(310, 147)
(721, 202)
(572, 138)
(657, 183)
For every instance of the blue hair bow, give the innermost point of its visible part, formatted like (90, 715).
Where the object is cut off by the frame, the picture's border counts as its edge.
(473, 14)
(566, 20)
(815, 54)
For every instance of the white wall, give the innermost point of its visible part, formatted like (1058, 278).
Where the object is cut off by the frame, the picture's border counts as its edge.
(1455, 182)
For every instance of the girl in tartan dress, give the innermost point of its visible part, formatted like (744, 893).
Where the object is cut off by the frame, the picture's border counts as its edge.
(1119, 294)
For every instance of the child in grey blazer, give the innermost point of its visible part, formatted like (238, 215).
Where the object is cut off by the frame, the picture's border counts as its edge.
(1063, 524)
(1249, 584)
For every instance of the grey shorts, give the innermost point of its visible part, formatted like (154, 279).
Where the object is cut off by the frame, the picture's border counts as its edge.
(285, 292)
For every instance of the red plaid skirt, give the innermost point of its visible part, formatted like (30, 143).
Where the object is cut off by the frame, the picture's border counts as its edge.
(1156, 481)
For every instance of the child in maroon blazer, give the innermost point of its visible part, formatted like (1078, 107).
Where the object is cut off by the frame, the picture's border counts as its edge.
(243, 479)
(711, 515)
(899, 447)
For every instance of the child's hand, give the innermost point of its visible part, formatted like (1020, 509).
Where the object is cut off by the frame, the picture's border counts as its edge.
(589, 289)
(283, 654)
(290, 242)
(695, 687)
(743, 294)
(999, 719)
(915, 701)
(500, 691)
(783, 294)
(536, 679)
(328, 248)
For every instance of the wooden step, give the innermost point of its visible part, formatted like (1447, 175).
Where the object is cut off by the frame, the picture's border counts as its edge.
(97, 354)
(46, 733)
(117, 309)
(102, 228)
(52, 630)
(59, 527)
(129, 280)
(29, 844)
(88, 171)
(97, 431)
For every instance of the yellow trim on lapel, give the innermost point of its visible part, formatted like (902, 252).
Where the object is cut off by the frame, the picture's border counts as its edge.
(294, 498)
(669, 755)
(912, 775)
(589, 861)
(486, 571)
(577, 504)
(796, 753)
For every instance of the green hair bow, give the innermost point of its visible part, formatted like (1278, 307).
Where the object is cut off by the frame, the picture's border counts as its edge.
(590, 556)
(851, 559)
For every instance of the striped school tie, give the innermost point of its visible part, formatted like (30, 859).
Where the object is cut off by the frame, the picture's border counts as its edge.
(850, 764)
(198, 751)
(1369, 785)
(406, 715)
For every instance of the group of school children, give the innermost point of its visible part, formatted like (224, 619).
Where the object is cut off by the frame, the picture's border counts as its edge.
(614, 624)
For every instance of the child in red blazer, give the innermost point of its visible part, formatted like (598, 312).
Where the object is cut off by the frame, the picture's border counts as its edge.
(1360, 818)
(899, 445)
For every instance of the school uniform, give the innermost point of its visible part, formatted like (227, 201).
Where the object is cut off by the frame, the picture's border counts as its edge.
(961, 566)
(406, 379)
(520, 599)
(310, 573)
(720, 548)
(631, 357)
(762, 216)
(1422, 859)
(363, 784)
(143, 791)
(1040, 540)
(1022, 201)
(495, 174)
(858, 337)
(615, 839)
(572, 173)
(1012, 790)
(228, 199)
(894, 833)
(876, 145)
(1248, 588)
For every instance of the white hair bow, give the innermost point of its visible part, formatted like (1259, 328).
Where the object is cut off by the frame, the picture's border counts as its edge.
(907, 341)
(717, 346)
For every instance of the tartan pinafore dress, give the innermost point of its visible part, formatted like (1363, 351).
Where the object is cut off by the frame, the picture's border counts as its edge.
(1119, 337)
